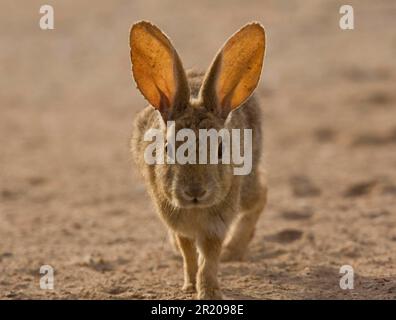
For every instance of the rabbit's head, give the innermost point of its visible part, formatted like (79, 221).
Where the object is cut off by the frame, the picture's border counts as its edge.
(231, 79)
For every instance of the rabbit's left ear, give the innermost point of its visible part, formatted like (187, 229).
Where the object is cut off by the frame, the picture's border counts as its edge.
(157, 69)
(235, 72)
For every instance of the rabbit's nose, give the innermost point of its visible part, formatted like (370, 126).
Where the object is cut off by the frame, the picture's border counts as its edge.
(194, 192)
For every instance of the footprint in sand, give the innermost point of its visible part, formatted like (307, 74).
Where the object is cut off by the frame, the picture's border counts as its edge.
(360, 189)
(302, 186)
(11, 194)
(324, 134)
(372, 139)
(358, 74)
(297, 214)
(378, 98)
(285, 236)
(36, 181)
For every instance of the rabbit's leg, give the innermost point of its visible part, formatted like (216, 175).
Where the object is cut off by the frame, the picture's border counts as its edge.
(242, 229)
(209, 256)
(190, 263)
(173, 241)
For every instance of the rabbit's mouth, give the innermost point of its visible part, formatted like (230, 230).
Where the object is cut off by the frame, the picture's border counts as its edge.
(193, 204)
(203, 200)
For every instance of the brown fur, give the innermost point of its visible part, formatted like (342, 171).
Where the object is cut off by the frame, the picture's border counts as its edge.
(224, 222)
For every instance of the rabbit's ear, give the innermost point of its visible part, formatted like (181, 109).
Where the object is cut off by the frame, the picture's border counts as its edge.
(235, 72)
(157, 69)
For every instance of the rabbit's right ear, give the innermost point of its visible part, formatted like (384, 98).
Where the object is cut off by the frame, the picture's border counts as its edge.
(235, 72)
(157, 69)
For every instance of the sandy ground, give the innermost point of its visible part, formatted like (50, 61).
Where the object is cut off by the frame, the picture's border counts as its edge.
(71, 198)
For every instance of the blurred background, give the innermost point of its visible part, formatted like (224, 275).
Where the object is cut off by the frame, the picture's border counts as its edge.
(71, 198)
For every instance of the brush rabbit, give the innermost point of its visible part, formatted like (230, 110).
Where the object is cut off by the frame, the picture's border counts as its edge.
(210, 211)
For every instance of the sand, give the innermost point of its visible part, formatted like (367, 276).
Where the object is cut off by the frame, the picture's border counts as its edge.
(70, 196)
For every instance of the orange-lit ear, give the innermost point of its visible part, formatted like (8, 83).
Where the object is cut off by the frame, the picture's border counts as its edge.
(235, 72)
(157, 69)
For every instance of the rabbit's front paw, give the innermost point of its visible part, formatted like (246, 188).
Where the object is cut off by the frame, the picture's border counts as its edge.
(210, 294)
(189, 288)
(232, 254)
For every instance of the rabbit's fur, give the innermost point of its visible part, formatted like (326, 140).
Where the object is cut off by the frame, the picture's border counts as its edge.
(224, 219)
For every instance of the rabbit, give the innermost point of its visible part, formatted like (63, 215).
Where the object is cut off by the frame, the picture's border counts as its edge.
(210, 212)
